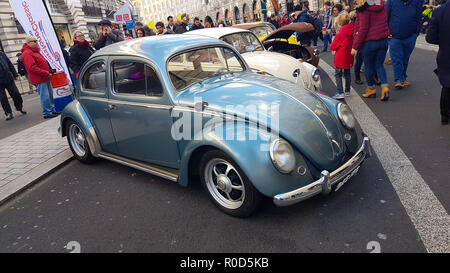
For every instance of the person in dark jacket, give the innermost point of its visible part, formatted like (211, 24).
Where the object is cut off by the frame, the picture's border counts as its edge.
(109, 35)
(79, 52)
(370, 37)
(197, 24)
(8, 75)
(23, 72)
(304, 38)
(405, 22)
(438, 33)
(147, 30)
(182, 27)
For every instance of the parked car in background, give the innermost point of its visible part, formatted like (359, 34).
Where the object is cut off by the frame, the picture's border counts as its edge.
(263, 61)
(177, 106)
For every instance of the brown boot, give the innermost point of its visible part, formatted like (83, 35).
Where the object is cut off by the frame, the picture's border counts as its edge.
(371, 92)
(385, 93)
(398, 85)
(406, 83)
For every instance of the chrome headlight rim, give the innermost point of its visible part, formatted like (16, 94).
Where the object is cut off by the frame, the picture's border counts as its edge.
(272, 150)
(315, 73)
(344, 111)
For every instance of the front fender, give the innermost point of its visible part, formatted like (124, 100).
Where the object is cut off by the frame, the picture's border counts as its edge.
(74, 111)
(252, 156)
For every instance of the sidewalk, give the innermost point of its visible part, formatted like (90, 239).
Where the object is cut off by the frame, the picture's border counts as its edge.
(30, 154)
(422, 44)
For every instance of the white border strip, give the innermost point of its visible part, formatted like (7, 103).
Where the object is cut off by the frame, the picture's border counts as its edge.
(429, 217)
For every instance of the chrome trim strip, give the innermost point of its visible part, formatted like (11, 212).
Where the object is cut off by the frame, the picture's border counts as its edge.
(139, 104)
(140, 166)
(93, 142)
(323, 185)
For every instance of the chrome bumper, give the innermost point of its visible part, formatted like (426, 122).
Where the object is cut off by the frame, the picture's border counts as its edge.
(327, 180)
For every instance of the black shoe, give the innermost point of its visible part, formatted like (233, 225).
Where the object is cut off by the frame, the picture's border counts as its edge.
(56, 113)
(377, 82)
(50, 116)
(360, 82)
(22, 111)
(9, 116)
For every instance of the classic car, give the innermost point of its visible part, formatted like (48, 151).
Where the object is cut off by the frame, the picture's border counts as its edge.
(263, 61)
(139, 104)
(283, 40)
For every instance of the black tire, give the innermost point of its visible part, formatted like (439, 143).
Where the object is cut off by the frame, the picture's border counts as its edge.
(251, 196)
(87, 157)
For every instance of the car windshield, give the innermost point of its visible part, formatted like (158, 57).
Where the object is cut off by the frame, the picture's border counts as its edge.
(244, 42)
(198, 65)
(261, 31)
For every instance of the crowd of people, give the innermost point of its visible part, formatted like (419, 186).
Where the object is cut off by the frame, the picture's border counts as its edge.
(356, 37)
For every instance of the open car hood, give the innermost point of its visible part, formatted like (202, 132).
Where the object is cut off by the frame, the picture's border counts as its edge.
(287, 31)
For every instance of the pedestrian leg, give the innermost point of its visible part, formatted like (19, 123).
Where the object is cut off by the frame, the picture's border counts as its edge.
(369, 57)
(4, 101)
(30, 86)
(338, 77)
(445, 105)
(408, 48)
(42, 90)
(50, 93)
(397, 56)
(357, 68)
(380, 55)
(348, 81)
(15, 95)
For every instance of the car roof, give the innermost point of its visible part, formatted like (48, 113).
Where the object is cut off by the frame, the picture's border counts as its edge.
(158, 48)
(216, 32)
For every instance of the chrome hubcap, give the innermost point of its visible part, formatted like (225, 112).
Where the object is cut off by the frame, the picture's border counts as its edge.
(224, 183)
(77, 140)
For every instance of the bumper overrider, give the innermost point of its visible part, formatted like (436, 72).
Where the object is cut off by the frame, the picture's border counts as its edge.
(327, 180)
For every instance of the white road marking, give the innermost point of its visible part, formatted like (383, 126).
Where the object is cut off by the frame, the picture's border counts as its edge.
(429, 217)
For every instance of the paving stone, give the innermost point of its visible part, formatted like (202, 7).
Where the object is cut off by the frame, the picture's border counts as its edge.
(19, 171)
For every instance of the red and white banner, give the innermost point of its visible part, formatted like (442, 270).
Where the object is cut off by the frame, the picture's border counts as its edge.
(123, 14)
(36, 22)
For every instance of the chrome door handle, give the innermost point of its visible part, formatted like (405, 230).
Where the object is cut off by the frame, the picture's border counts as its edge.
(112, 106)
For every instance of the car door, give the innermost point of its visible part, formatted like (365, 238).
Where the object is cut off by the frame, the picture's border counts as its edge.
(93, 96)
(140, 111)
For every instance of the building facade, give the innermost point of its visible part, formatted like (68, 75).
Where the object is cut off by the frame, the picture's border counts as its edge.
(231, 11)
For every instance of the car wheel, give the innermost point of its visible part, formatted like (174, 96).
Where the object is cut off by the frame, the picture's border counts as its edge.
(78, 143)
(227, 185)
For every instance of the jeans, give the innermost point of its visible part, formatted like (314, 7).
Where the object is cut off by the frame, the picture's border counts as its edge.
(15, 95)
(374, 53)
(400, 51)
(445, 103)
(326, 41)
(358, 64)
(338, 72)
(45, 92)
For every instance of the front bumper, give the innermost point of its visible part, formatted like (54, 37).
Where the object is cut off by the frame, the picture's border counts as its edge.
(327, 180)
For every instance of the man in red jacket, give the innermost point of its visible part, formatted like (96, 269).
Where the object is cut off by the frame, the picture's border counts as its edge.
(39, 73)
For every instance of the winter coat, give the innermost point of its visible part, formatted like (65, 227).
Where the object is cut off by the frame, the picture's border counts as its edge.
(438, 34)
(194, 27)
(36, 65)
(79, 54)
(404, 17)
(115, 36)
(180, 28)
(342, 44)
(371, 24)
(21, 68)
(7, 69)
(148, 31)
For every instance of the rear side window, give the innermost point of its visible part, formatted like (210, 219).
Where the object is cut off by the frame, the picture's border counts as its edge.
(136, 78)
(94, 78)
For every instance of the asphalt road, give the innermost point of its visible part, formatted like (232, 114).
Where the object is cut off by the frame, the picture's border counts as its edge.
(32, 105)
(107, 207)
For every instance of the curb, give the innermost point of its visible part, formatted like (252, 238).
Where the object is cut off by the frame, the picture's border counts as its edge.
(29, 179)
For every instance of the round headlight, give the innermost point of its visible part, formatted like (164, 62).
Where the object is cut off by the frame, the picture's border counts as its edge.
(282, 155)
(346, 116)
(316, 74)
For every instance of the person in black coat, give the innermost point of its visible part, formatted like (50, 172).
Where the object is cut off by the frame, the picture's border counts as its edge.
(23, 72)
(79, 52)
(8, 75)
(438, 34)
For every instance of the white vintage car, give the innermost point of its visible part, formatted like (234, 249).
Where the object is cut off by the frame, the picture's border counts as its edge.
(265, 62)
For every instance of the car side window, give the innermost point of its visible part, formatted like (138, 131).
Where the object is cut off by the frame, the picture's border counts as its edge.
(136, 78)
(94, 79)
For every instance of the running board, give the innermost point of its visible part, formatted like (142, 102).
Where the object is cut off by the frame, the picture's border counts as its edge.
(166, 173)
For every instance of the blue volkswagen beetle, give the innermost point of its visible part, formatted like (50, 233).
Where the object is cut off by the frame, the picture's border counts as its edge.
(184, 106)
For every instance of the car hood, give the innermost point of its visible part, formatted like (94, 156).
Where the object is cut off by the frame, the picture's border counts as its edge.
(277, 64)
(304, 119)
(287, 31)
